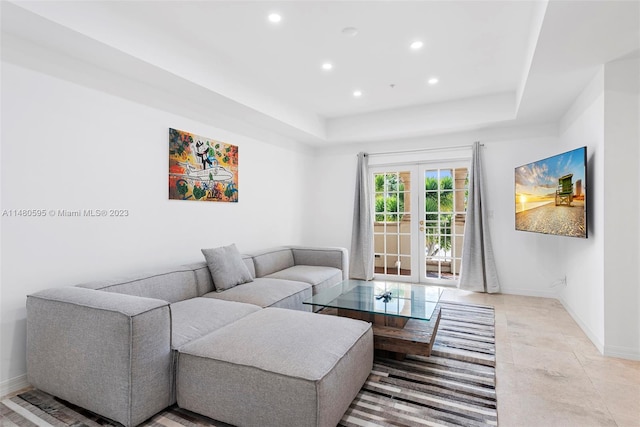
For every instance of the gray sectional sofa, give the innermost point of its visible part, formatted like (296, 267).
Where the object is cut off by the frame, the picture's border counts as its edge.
(248, 354)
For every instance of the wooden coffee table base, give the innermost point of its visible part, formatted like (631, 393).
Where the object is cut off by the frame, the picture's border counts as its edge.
(395, 336)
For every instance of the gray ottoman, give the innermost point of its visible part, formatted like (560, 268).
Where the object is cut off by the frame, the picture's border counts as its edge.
(276, 367)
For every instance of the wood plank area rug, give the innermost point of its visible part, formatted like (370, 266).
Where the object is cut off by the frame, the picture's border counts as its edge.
(453, 387)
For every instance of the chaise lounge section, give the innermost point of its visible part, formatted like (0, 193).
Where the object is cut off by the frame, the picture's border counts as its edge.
(306, 372)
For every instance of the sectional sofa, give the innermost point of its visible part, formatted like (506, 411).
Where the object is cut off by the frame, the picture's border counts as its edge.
(228, 338)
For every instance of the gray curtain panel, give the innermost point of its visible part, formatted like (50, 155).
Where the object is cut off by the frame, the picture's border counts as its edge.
(361, 257)
(478, 271)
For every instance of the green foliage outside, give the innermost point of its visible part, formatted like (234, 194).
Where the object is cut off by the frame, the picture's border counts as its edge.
(439, 208)
(438, 233)
(393, 194)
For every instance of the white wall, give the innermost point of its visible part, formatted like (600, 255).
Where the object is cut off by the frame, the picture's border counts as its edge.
(527, 262)
(621, 201)
(65, 146)
(603, 278)
(583, 296)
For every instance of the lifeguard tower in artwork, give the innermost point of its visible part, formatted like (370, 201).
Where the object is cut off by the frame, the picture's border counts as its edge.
(564, 193)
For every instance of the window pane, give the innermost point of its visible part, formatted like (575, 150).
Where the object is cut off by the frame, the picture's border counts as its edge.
(392, 226)
(445, 201)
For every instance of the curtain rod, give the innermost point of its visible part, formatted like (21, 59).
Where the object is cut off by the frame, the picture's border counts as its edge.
(420, 150)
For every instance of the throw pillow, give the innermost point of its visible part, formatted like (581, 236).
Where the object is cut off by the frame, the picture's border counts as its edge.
(226, 267)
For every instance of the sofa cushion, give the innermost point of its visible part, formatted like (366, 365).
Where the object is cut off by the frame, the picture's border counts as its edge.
(277, 368)
(196, 317)
(169, 284)
(227, 267)
(272, 260)
(318, 277)
(266, 292)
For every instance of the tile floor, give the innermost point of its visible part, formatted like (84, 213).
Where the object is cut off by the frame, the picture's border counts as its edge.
(548, 371)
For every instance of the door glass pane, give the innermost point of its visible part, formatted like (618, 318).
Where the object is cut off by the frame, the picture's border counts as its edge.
(392, 225)
(445, 201)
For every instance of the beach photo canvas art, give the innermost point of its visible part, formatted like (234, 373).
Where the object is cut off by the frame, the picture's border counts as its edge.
(550, 195)
(202, 169)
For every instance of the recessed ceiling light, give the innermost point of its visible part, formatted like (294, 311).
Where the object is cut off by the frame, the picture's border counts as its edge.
(327, 66)
(275, 18)
(357, 93)
(433, 80)
(350, 31)
(416, 45)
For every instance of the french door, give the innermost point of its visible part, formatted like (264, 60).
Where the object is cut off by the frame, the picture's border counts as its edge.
(419, 216)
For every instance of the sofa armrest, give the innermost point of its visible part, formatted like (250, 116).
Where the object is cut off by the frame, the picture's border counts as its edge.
(323, 256)
(109, 353)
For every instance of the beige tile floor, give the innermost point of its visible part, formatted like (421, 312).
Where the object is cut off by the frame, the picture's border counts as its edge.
(549, 373)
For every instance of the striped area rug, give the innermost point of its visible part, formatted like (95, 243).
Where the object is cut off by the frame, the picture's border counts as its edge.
(453, 387)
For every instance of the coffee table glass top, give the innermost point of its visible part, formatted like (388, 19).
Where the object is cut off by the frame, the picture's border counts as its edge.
(414, 301)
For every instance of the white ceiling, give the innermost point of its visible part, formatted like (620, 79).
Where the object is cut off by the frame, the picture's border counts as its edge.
(286, 58)
(497, 61)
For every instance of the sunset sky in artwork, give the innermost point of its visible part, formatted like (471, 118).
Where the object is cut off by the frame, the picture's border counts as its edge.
(541, 178)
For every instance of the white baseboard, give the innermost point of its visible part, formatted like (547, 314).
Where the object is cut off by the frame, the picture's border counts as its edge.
(543, 293)
(621, 352)
(588, 332)
(605, 350)
(13, 384)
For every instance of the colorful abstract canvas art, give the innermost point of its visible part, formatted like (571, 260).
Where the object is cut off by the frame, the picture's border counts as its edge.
(202, 168)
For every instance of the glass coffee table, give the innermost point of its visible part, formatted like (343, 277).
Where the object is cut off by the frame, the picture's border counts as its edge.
(404, 316)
